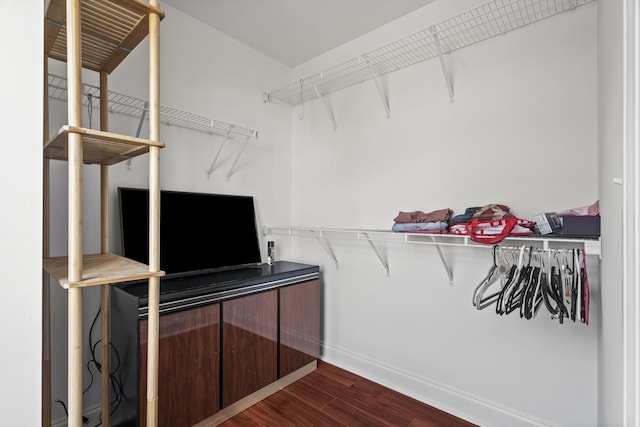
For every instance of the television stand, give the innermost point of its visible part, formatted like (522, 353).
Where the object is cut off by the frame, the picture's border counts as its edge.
(225, 336)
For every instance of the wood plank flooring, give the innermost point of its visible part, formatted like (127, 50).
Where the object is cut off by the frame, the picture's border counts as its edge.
(333, 397)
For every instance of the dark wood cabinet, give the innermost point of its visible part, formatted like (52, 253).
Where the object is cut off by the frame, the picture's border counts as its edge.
(188, 371)
(227, 340)
(299, 325)
(250, 345)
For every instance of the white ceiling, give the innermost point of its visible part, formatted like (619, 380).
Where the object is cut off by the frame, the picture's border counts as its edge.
(294, 31)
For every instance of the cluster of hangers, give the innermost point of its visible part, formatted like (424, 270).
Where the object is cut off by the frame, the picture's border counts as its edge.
(524, 279)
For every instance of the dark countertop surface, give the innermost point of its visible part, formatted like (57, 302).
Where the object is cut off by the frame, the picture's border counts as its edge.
(223, 282)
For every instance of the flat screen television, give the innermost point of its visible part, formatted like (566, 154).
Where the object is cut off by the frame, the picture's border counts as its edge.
(198, 231)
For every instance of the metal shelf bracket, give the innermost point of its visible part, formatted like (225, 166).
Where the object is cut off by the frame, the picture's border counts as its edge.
(376, 80)
(385, 99)
(447, 268)
(143, 115)
(327, 107)
(233, 165)
(384, 263)
(327, 248)
(443, 64)
(215, 159)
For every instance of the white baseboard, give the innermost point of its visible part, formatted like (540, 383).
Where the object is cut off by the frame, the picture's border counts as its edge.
(93, 413)
(456, 402)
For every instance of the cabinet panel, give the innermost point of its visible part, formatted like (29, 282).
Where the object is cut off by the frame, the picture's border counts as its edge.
(188, 373)
(250, 349)
(299, 325)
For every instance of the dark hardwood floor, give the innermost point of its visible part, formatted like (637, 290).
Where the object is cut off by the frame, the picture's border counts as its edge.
(333, 397)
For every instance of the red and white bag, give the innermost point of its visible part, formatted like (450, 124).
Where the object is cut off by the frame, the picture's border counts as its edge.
(494, 231)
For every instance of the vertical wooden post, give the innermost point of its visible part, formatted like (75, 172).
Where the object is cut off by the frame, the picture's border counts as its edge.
(154, 218)
(74, 61)
(105, 309)
(46, 248)
(104, 169)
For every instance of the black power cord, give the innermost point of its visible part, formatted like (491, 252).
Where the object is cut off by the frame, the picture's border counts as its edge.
(85, 420)
(115, 383)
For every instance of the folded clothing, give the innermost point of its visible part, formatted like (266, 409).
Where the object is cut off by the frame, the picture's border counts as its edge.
(483, 213)
(440, 215)
(445, 231)
(420, 226)
(466, 216)
(590, 210)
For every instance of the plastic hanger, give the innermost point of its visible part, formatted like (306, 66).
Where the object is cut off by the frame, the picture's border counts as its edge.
(548, 292)
(517, 292)
(584, 313)
(536, 298)
(514, 276)
(556, 292)
(532, 299)
(575, 284)
(496, 272)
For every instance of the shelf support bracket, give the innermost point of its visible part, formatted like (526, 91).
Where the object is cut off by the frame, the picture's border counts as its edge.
(143, 115)
(383, 98)
(444, 261)
(327, 107)
(215, 159)
(233, 165)
(384, 263)
(327, 248)
(443, 64)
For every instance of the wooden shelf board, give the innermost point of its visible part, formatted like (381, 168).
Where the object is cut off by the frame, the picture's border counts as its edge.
(99, 269)
(110, 30)
(103, 148)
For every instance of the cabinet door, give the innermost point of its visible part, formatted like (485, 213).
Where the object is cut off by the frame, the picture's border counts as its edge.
(249, 344)
(188, 372)
(299, 325)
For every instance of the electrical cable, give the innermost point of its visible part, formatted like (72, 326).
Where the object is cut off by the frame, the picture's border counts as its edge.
(115, 383)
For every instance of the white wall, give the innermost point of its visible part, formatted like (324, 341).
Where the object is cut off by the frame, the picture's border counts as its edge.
(21, 214)
(206, 73)
(610, 135)
(617, 93)
(518, 98)
(522, 131)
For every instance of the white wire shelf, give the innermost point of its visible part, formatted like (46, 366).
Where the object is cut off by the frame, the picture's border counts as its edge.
(492, 19)
(591, 245)
(135, 107)
(323, 235)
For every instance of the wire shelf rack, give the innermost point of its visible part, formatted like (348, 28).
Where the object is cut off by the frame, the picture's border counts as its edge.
(489, 20)
(135, 107)
(324, 235)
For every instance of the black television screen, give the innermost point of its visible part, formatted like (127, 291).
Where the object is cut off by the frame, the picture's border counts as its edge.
(198, 231)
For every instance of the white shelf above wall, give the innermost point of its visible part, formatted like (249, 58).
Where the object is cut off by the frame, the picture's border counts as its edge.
(135, 107)
(138, 108)
(492, 19)
(324, 235)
